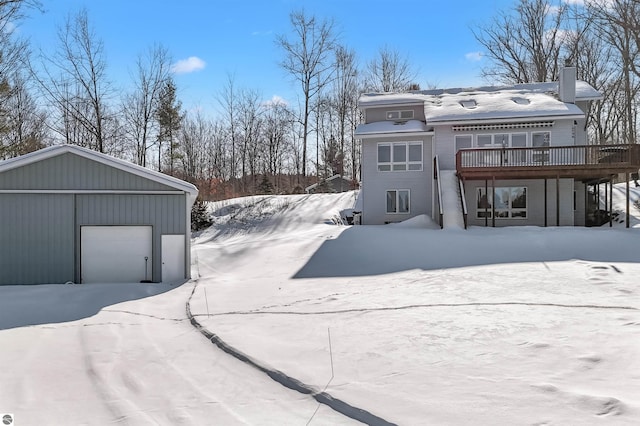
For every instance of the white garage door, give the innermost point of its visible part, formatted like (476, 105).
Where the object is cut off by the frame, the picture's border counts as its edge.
(116, 254)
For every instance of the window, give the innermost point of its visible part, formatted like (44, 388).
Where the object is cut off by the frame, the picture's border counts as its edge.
(518, 140)
(510, 203)
(400, 115)
(463, 141)
(398, 201)
(400, 156)
(541, 140)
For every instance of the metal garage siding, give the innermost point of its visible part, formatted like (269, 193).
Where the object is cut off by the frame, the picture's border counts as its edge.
(36, 238)
(69, 171)
(165, 213)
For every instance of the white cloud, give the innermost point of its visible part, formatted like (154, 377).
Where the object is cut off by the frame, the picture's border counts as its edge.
(276, 100)
(185, 66)
(8, 28)
(474, 56)
(577, 2)
(553, 10)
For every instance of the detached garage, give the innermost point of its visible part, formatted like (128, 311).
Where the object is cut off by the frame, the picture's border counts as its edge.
(69, 214)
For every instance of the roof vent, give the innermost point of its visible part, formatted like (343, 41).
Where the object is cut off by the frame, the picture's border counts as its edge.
(469, 104)
(521, 101)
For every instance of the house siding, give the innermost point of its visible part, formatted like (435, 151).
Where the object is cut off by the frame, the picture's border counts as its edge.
(535, 202)
(36, 238)
(580, 212)
(375, 183)
(445, 147)
(380, 113)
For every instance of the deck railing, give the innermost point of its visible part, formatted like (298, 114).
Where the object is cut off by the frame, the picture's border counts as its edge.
(592, 156)
(463, 203)
(436, 175)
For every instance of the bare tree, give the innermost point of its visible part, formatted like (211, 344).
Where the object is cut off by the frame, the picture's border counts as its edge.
(75, 82)
(525, 44)
(276, 132)
(345, 101)
(618, 23)
(228, 100)
(13, 53)
(389, 72)
(140, 106)
(308, 61)
(23, 123)
(194, 138)
(250, 109)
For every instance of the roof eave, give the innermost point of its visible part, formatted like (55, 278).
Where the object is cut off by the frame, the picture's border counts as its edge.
(527, 119)
(382, 134)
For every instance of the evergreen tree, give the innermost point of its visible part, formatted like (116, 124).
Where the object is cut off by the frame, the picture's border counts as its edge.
(200, 218)
(265, 187)
(169, 120)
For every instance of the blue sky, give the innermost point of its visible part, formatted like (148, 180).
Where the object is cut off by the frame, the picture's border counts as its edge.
(238, 37)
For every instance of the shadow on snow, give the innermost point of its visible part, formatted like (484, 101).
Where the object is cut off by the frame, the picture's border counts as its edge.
(376, 250)
(25, 305)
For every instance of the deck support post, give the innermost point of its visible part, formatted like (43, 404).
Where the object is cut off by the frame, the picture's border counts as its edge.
(557, 200)
(627, 195)
(493, 199)
(545, 202)
(610, 201)
(486, 204)
(586, 202)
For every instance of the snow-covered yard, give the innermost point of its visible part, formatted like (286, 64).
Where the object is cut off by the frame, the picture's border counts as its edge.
(418, 325)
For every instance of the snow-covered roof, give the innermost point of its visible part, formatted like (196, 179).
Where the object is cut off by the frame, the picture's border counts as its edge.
(411, 126)
(518, 101)
(108, 160)
(496, 105)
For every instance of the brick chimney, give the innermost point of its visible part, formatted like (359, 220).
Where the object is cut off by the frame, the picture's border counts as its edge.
(567, 85)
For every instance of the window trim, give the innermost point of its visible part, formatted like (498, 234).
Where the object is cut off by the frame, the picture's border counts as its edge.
(397, 191)
(407, 163)
(480, 212)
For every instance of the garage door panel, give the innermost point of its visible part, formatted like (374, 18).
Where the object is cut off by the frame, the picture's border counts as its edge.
(116, 254)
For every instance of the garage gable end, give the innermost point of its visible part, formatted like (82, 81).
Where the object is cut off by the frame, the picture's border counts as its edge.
(72, 168)
(69, 171)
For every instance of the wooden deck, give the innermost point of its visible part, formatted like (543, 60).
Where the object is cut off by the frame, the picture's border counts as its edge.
(585, 162)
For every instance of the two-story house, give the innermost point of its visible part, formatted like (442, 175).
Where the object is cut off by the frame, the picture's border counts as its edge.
(491, 156)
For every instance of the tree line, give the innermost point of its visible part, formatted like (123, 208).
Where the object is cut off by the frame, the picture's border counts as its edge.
(253, 146)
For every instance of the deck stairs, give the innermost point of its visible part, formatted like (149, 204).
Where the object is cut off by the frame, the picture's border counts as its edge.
(453, 217)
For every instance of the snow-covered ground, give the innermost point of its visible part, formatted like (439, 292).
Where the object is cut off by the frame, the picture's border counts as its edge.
(414, 324)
